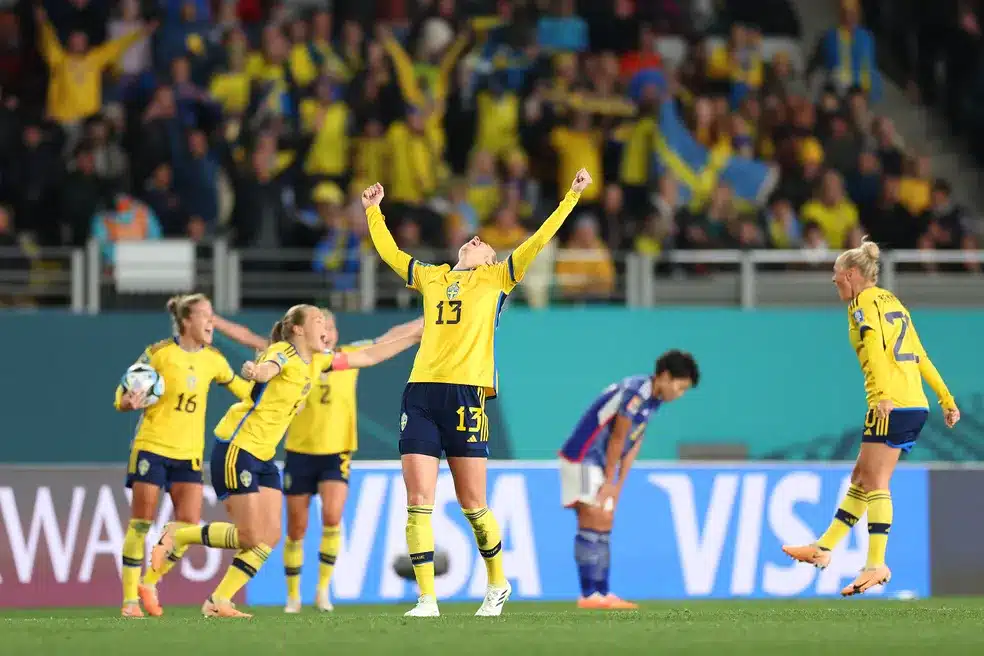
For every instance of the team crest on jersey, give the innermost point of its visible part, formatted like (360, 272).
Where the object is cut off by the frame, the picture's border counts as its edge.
(287, 481)
(634, 404)
(307, 388)
(143, 466)
(859, 316)
(403, 421)
(191, 381)
(245, 478)
(453, 290)
(324, 377)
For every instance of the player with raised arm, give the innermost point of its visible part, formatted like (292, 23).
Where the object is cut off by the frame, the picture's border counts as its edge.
(894, 364)
(320, 443)
(443, 407)
(243, 471)
(597, 457)
(169, 445)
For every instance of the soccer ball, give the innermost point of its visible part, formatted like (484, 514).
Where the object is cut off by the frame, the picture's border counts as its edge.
(144, 378)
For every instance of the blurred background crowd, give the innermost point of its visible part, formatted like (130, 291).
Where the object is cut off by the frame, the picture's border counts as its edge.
(262, 121)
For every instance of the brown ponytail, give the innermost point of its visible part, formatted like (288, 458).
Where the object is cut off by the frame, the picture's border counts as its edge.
(283, 330)
(277, 334)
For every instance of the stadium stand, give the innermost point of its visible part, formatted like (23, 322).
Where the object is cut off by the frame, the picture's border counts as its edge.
(708, 125)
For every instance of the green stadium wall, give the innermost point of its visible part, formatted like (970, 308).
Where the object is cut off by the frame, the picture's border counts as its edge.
(784, 384)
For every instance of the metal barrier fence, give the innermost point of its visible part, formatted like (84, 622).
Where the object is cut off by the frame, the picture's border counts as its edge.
(79, 279)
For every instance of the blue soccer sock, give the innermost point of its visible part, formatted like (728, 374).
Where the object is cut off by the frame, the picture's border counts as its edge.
(592, 555)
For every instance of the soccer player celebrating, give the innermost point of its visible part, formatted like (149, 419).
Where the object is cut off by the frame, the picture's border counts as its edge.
(443, 407)
(597, 457)
(894, 363)
(320, 444)
(168, 449)
(243, 471)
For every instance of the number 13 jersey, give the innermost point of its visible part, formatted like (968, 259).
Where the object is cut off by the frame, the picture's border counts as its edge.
(894, 359)
(461, 313)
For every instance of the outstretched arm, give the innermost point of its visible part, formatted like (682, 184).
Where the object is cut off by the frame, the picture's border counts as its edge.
(378, 352)
(381, 237)
(240, 333)
(414, 327)
(525, 253)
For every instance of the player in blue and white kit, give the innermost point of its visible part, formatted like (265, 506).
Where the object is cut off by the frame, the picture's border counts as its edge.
(596, 458)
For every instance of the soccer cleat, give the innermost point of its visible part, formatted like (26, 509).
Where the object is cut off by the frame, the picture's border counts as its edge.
(810, 554)
(132, 611)
(868, 578)
(595, 601)
(617, 603)
(426, 607)
(212, 608)
(164, 547)
(495, 599)
(293, 606)
(324, 601)
(148, 597)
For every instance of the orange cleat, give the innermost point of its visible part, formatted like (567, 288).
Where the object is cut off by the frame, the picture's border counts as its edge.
(222, 609)
(617, 603)
(148, 597)
(594, 602)
(132, 611)
(810, 554)
(868, 578)
(163, 548)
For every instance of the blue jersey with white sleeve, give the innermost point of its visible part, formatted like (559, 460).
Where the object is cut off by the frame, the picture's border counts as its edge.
(631, 398)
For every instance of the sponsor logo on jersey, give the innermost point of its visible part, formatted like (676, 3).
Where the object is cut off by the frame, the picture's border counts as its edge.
(634, 404)
(859, 316)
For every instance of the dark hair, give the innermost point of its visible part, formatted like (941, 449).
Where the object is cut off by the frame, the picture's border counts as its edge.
(942, 186)
(679, 364)
(180, 307)
(284, 329)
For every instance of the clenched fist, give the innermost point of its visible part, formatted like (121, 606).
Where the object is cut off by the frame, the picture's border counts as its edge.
(372, 196)
(581, 181)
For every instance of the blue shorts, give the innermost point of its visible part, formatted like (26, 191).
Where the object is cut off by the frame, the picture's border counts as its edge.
(899, 431)
(303, 471)
(436, 417)
(147, 467)
(237, 471)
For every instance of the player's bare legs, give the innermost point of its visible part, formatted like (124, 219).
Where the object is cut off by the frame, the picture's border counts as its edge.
(333, 495)
(470, 484)
(186, 498)
(143, 507)
(298, 507)
(875, 466)
(594, 525)
(420, 478)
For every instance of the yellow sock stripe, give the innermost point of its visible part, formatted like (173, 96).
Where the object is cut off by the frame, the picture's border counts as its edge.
(475, 514)
(420, 510)
(330, 531)
(856, 493)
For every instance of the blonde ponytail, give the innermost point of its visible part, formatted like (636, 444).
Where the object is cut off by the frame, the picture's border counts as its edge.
(180, 307)
(866, 258)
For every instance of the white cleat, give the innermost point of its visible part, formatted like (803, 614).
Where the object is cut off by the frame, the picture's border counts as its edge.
(324, 601)
(495, 599)
(293, 606)
(426, 607)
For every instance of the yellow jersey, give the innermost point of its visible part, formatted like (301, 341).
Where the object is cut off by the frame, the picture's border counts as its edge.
(174, 427)
(835, 221)
(892, 358)
(258, 423)
(327, 422)
(462, 308)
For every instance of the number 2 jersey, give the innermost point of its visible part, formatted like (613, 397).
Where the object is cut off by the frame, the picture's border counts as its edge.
(327, 423)
(258, 423)
(891, 355)
(631, 398)
(174, 427)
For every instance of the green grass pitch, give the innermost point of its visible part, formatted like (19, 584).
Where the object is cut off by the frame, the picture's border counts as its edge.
(832, 626)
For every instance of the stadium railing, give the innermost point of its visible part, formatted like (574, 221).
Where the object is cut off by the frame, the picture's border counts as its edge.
(78, 279)
(43, 276)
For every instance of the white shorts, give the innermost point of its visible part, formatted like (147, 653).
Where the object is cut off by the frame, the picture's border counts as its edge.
(579, 483)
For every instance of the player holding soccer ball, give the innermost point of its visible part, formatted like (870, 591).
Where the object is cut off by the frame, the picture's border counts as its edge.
(596, 458)
(170, 441)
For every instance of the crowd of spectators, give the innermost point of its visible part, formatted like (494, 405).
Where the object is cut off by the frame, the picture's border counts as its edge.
(263, 120)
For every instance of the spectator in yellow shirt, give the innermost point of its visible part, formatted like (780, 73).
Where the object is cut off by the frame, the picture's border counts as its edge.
(584, 269)
(483, 185)
(505, 233)
(330, 121)
(916, 187)
(832, 211)
(75, 85)
(578, 146)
